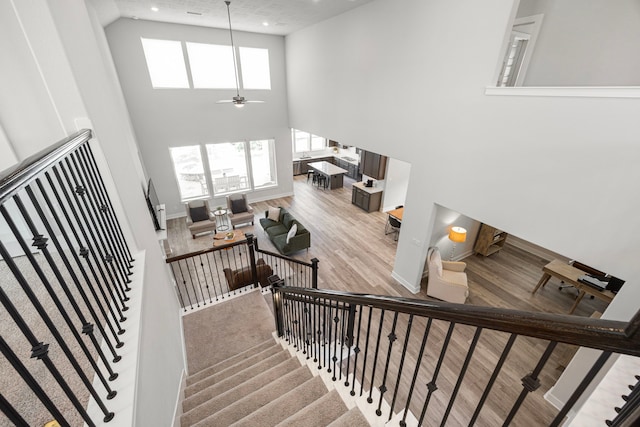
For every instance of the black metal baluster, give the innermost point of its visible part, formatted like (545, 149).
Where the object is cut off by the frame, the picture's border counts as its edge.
(334, 359)
(97, 171)
(530, 382)
(220, 266)
(103, 256)
(172, 266)
(375, 357)
(461, 375)
(193, 285)
(80, 266)
(184, 284)
(425, 337)
(206, 282)
(87, 328)
(356, 352)
(307, 332)
(33, 384)
(404, 353)
(392, 339)
(627, 415)
(12, 414)
(204, 279)
(431, 386)
(329, 320)
(493, 378)
(324, 333)
(319, 336)
(195, 273)
(591, 374)
(342, 342)
(98, 258)
(89, 194)
(47, 320)
(89, 160)
(211, 270)
(366, 351)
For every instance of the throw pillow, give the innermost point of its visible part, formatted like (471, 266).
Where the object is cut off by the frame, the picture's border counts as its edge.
(238, 205)
(199, 214)
(292, 232)
(436, 262)
(274, 214)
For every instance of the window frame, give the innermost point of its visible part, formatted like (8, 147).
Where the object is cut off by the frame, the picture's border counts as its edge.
(310, 137)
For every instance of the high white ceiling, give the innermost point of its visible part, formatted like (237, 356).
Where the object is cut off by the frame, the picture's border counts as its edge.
(283, 16)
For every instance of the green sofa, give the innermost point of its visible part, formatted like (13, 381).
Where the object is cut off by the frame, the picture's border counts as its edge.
(278, 230)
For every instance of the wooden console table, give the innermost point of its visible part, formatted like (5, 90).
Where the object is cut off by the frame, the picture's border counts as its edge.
(569, 274)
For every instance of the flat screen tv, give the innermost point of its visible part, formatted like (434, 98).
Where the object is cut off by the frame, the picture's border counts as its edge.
(153, 203)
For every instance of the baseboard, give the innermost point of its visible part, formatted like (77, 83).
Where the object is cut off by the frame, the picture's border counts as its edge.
(177, 411)
(405, 283)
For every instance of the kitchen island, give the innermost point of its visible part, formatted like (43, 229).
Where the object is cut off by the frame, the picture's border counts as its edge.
(334, 174)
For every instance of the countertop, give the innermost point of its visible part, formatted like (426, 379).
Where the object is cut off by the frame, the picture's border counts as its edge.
(323, 156)
(327, 168)
(370, 190)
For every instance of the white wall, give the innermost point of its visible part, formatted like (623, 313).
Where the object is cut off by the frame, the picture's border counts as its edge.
(396, 181)
(585, 43)
(57, 76)
(164, 118)
(398, 78)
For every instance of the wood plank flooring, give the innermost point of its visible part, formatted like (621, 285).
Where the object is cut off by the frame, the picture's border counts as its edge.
(356, 256)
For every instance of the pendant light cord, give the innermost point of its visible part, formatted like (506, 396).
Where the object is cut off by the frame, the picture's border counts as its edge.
(235, 63)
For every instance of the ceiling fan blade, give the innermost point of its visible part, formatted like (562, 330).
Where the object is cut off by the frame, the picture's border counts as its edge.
(254, 102)
(224, 101)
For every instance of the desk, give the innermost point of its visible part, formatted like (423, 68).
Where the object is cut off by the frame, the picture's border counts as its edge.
(334, 174)
(570, 275)
(396, 213)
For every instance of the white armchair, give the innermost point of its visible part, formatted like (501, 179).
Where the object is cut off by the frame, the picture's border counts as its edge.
(447, 279)
(199, 217)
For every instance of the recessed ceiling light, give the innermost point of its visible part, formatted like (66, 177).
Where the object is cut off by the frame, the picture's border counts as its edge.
(265, 23)
(155, 9)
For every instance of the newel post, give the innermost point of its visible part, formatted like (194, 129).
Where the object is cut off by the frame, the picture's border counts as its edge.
(314, 273)
(251, 242)
(276, 282)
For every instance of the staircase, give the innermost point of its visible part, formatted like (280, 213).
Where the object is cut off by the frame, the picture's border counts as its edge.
(264, 385)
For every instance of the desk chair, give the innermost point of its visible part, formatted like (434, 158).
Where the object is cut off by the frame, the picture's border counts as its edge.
(393, 225)
(587, 269)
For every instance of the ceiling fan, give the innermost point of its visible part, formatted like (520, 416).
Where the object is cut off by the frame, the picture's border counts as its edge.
(238, 101)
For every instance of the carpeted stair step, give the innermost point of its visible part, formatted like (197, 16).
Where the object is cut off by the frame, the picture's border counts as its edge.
(353, 418)
(270, 343)
(319, 413)
(285, 405)
(218, 402)
(226, 372)
(258, 399)
(198, 393)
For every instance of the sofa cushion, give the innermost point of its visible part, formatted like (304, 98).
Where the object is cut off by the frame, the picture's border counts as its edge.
(198, 214)
(238, 203)
(287, 220)
(274, 214)
(267, 223)
(301, 228)
(292, 232)
(277, 230)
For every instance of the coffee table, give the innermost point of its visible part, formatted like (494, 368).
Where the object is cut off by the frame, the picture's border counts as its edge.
(219, 239)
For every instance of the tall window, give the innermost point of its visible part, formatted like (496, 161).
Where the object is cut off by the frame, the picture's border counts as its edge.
(263, 163)
(228, 167)
(211, 66)
(255, 68)
(304, 141)
(189, 170)
(165, 61)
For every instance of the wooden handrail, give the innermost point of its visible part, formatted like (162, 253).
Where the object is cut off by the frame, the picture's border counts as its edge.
(18, 176)
(204, 251)
(607, 335)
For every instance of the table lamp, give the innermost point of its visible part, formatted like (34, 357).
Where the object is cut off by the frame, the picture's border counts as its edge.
(456, 235)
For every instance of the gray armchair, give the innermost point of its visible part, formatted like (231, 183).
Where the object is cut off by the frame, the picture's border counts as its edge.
(239, 210)
(199, 217)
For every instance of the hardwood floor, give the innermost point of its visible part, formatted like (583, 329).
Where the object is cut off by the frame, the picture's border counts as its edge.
(356, 256)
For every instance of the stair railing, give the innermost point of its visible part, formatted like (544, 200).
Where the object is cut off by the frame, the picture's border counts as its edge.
(400, 347)
(66, 267)
(204, 277)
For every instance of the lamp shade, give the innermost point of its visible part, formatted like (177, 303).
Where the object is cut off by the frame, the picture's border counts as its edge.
(457, 234)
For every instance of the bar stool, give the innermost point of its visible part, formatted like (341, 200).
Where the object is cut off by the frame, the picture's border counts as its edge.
(321, 179)
(311, 174)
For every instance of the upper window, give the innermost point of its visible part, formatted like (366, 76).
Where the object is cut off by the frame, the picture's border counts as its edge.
(304, 141)
(165, 61)
(211, 66)
(255, 68)
(189, 170)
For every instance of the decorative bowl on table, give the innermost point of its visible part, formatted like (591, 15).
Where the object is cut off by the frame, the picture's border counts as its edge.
(229, 236)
